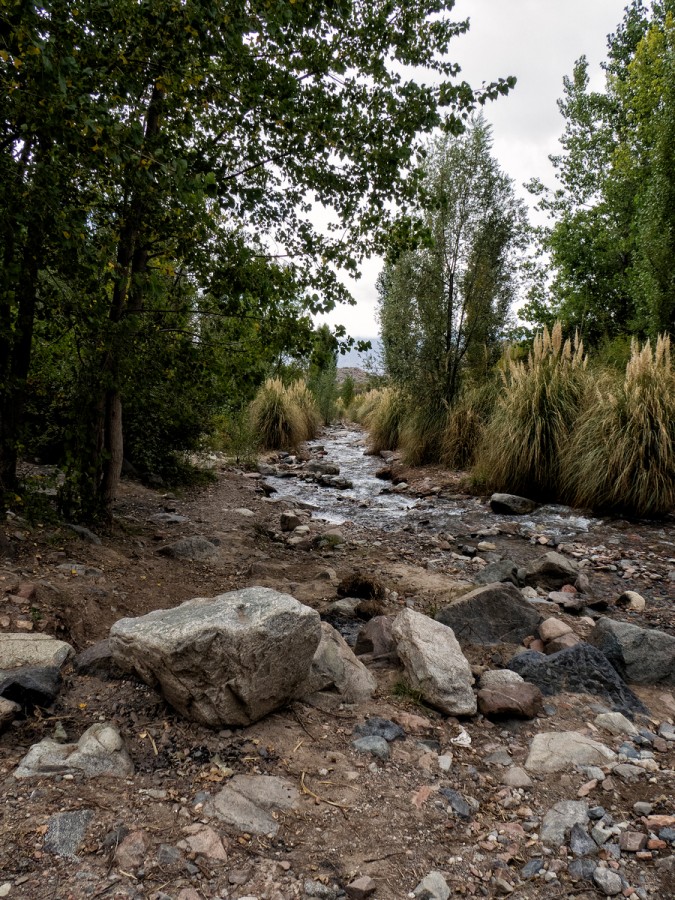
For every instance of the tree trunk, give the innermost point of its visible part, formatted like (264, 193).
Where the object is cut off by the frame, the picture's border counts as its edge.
(114, 449)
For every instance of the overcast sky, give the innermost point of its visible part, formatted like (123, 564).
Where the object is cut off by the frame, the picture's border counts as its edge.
(538, 42)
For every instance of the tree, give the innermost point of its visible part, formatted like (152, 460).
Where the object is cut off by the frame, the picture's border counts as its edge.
(613, 234)
(442, 305)
(143, 139)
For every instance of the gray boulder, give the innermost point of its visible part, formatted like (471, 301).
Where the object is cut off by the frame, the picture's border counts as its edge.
(511, 504)
(494, 614)
(640, 655)
(434, 663)
(191, 548)
(224, 661)
(551, 571)
(581, 669)
(100, 751)
(503, 570)
(38, 650)
(335, 667)
(557, 751)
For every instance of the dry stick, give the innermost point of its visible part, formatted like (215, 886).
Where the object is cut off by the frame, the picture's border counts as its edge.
(306, 790)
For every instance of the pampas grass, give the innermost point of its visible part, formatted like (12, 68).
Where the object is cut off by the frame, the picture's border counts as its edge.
(622, 455)
(384, 421)
(465, 425)
(277, 421)
(301, 396)
(421, 433)
(539, 404)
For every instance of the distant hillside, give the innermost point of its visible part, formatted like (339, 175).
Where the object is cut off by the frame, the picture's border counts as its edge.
(358, 376)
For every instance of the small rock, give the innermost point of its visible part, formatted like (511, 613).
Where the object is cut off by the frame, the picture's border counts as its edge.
(458, 803)
(631, 600)
(290, 521)
(361, 888)
(432, 887)
(560, 819)
(553, 628)
(511, 504)
(531, 869)
(100, 751)
(581, 843)
(632, 841)
(493, 678)
(615, 723)
(516, 777)
(131, 853)
(190, 548)
(251, 803)
(375, 745)
(66, 831)
(378, 727)
(582, 869)
(519, 700)
(556, 751)
(608, 882)
(203, 840)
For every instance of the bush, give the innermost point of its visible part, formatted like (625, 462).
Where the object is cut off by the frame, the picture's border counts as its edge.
(465, 425)
(622, 455)
(384, 421)
(276, 420)
(302, 397)
(421, 434)
(539, 404)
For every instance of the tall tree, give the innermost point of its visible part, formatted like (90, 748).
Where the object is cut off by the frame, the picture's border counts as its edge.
(443, 304)
(190, 137)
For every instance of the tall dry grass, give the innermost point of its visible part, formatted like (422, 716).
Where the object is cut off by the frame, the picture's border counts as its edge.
(465, 425)
(540, 402)
(300, 395)
(277, 421)
(622, 454)
(384, 419)
(421, 434)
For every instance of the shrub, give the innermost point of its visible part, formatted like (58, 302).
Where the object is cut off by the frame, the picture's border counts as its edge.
(276, 420)
(302, 397)
(421, 435)
(622, 456)
(465, 425)
(540, 402)
(385, 420)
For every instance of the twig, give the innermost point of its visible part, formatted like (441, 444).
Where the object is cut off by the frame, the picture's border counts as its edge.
(306, 790)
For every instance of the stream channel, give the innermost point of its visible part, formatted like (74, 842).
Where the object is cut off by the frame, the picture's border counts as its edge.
(371, 503)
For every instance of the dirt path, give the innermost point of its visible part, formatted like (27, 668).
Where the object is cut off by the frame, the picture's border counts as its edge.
(357, 815)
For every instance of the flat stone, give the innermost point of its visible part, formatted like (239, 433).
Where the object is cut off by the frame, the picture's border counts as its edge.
(379, 727)
(640, 655)
(494, 614)
(66, 831)
(531, 869)
(224, 661)
(615, 723)
(100, 751)
(581, 669)
(502, 570)
(190, 548)
(511, 504)
(516, 777)
(560, 819)
(434, 663)
(520, 700)
(132, 851)
(203, 840)
(166, 518)
(559, 751)
(19, 650)
(85, 533)
(582, 869)
(248, 803)
(432, 887)
(458, 803)
(361, 888)
(632, 841)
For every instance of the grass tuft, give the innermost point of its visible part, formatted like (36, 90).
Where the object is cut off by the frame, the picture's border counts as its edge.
(277, 421)
(385, 420)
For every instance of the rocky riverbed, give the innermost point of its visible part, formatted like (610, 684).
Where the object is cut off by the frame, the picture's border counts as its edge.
(528, 752)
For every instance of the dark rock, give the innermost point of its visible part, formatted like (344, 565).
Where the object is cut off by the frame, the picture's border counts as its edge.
(385, 473)
(511, 504)
(457, 802)
(66, 831)
(31, 686)
(596, 813)
(531, 869)
(504, 570)
(551, 571)
(640, 655)
(520, 700)
(319, 467)
(85, 534)
(376, 638)
(97, 660)
(494, 614)
(582, 669)
(372, 744)
(377, 727)
(581, 843)
(582, 869)
(335, 481)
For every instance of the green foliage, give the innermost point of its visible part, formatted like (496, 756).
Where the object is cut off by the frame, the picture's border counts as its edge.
(622, 454)
(347, 391)
(421, 434)
(276, 420)
(534, 415)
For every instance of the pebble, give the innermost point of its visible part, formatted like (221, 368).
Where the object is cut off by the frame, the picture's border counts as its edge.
(608, 882)
(373, 744)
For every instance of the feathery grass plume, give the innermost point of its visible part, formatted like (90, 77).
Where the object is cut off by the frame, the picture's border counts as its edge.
(276, 420)
(384, 422)
(622, 455)
(540, 401)
(365, 405)
(421, 435)
(465, 424)
(302, 397)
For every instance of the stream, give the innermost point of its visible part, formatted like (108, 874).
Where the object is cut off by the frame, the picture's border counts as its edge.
(372, 504)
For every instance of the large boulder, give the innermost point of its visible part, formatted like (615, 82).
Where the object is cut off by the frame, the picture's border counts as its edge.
(559, 751)
(494, 614)
(640, 655)
(434, 663)
(228, 660)
(581, 669)
(336, 668)
(552, 570)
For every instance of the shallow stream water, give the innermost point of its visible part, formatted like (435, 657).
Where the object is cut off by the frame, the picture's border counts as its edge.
(370, 502)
